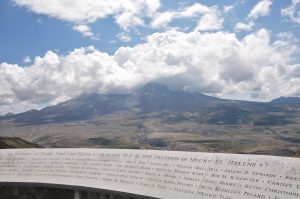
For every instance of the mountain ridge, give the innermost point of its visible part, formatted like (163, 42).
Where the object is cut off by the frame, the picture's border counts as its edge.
(286, 100)
(154, 97)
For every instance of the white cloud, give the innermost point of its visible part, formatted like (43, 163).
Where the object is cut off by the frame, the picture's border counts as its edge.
(217, 63)
(54, 78)
(27, 59)
(262, 8)
(292, 11)
(127, 13)
(244, 26)
(165, 18)
(210, 21)
(228, 9)
(123, 37)
(85, 31)
(287, 36)
(194, 10)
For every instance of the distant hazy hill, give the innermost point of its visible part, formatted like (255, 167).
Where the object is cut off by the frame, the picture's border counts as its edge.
(14, 142)
(155, 98)
(287, 100)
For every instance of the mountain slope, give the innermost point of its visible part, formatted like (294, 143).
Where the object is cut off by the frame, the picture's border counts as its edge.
(150, 98)
(155, 98)
(86, 106)
(14, 142)
(287, 101)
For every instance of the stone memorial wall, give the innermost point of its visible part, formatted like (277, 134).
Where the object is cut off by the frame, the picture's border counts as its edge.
(159, 174)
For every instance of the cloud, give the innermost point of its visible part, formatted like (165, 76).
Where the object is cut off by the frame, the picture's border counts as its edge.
(228, 9)
(292, 11)
(54, 78)
(262, 8)
(216, 63)
(163, 19)
(127, 13)
(287, 36)
(27, 59)
(123, 37)
(244, 26)
(210, 21)
(85, 31)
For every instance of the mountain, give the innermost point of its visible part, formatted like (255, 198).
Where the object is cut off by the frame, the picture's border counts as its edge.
(287, 101)
(150, 98)
(84, 107)
(14, 142)
(155, 98)
(8, 114)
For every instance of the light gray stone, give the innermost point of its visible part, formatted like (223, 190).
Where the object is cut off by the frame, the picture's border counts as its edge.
(161, 174)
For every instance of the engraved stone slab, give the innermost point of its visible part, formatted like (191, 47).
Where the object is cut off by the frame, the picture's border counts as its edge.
(160, 174)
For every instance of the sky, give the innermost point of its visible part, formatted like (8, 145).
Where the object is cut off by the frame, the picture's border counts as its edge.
(52, 51)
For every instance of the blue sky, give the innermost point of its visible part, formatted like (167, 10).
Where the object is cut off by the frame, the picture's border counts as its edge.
(25, 33)
(101, 46)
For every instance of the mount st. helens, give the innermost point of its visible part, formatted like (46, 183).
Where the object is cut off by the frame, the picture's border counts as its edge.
(167, 104)
(156, 117)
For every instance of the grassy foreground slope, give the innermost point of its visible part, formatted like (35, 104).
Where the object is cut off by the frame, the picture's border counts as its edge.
(14, 142)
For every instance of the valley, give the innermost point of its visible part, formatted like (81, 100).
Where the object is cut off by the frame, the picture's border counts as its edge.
(115, 131)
